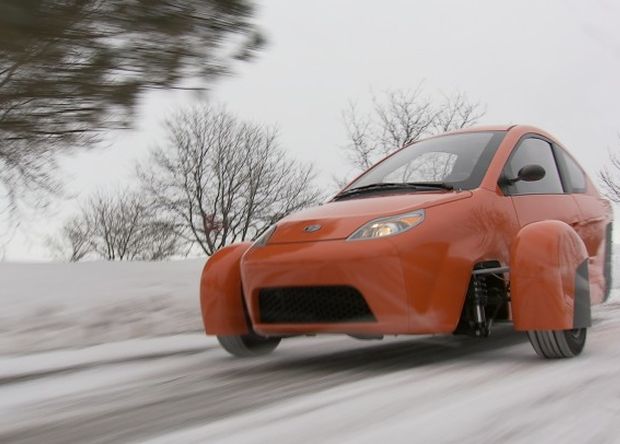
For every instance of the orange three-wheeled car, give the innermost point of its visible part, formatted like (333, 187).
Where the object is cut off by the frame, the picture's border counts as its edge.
(447, 235)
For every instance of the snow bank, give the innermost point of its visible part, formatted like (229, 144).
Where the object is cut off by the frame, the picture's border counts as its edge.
(48, 306)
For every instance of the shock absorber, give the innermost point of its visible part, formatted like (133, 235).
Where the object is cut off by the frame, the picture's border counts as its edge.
(480, 300)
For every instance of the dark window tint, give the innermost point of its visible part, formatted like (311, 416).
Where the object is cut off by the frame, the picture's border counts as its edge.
(538, 152)
(576, 178)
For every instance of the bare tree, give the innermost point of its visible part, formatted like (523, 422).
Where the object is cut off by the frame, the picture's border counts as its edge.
(119, 226)
(74, 241)
(609, 177)
(457, 112)
(222, 180)
(400, 117)
(403, 117)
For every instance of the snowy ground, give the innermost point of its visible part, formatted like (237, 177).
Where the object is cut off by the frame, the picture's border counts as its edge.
(49, 306)
(63, 380)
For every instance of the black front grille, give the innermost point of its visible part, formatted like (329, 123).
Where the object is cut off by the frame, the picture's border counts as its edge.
(313, 305)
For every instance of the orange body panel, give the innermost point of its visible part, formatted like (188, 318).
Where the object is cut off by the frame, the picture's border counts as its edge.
(591, 228)
(398, 275)
(221, 301)
(416, 281)
(545, 258)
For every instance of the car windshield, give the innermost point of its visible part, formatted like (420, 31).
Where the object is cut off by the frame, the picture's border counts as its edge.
(458, 160)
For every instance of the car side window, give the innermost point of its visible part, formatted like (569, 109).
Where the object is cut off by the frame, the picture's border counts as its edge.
(575, 176)
(538, 152)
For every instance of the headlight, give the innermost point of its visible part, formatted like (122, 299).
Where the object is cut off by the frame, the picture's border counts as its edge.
(388, 226)
(262, 240)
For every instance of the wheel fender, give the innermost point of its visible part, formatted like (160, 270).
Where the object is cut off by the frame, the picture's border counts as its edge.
(221, 297)
(549, 283)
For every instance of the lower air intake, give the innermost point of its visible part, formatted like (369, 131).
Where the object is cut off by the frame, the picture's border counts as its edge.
(300, 305)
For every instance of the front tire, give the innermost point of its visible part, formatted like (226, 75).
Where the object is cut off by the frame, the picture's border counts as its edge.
(247, 346)
(558, 344)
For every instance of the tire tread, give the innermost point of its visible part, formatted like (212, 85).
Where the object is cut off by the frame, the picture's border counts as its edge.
(248, 346)
(554, 344)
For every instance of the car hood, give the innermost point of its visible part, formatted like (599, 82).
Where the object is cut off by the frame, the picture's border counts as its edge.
(339, 219)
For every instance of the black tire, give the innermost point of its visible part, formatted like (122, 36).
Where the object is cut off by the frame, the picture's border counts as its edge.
(248, 346)
(558, 343)
(607, 264)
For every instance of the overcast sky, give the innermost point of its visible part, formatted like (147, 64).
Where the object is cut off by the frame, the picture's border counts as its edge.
(553, 64)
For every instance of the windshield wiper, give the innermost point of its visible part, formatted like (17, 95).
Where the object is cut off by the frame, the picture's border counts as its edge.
(432, 185)
(415, 186)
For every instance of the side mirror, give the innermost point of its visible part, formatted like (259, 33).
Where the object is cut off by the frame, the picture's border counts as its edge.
(529, 173)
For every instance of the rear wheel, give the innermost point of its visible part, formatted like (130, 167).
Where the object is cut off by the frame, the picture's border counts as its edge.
(250, 345)
(607, 263)
(558, 343)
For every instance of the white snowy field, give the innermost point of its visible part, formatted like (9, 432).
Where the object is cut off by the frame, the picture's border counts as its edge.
(105, 353)
(56, 305)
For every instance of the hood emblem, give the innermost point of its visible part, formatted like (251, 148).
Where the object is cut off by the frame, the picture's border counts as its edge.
(312, 228)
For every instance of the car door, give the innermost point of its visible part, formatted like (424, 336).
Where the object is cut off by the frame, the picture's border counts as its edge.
(594, 209)
(594, 226)
(544, 199)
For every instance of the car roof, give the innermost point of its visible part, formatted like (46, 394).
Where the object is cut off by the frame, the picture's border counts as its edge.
(507, 127)
(513, 128)
(477, 128)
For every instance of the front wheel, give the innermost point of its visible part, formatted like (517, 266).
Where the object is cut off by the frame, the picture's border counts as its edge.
(250, 345)
(558, 343)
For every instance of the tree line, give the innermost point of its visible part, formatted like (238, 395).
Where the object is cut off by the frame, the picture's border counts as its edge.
(71, 70)
(217, 179)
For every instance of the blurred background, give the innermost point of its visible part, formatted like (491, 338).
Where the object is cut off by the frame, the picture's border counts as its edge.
(91, 92)
(124, 122)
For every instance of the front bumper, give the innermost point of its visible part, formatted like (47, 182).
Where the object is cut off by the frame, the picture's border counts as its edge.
(372, 269)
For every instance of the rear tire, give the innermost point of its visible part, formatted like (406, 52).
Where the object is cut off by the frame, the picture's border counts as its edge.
(247, 346)
(607, 264)
(558, 343)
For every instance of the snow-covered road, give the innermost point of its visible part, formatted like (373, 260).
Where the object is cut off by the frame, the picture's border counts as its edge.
(184, 388)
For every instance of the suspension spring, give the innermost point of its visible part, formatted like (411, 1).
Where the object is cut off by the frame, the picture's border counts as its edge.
(480, 301)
